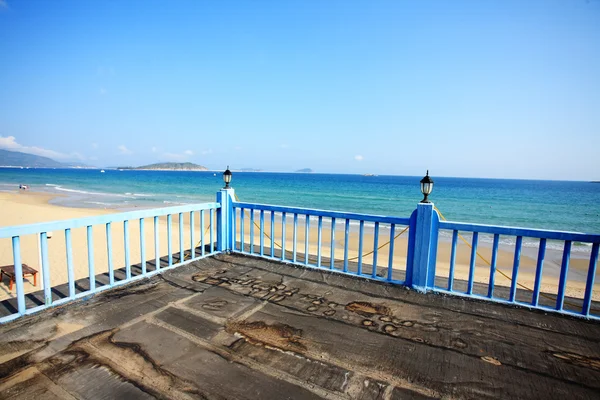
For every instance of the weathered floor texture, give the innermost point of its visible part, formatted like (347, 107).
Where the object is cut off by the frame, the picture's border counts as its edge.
(236, 327)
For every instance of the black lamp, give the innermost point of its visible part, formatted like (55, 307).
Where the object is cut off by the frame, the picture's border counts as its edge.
(426, 187)
(227, 177)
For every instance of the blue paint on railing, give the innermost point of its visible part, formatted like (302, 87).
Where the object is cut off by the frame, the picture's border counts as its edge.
(106, 221)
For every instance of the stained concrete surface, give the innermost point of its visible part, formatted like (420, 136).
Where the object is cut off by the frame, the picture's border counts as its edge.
(237, 327)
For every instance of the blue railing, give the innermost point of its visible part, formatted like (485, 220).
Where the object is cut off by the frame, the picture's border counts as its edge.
(411, 251)
(285, 243)
(264, 230)
(530, 295)
(201, 218)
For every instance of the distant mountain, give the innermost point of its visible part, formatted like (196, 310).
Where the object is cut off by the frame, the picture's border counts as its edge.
(18, 159)
(170, 166)
(305, 170)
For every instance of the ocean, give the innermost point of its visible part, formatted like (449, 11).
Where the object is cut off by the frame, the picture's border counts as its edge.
(559, 205)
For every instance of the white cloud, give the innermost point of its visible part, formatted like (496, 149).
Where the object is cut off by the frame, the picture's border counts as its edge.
(10, 143)
(124, 150)
(179, 157)
(154, 149)
(359, 157)
(205, 152)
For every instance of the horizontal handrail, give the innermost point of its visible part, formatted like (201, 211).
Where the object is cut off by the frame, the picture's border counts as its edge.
(516, 231)
(324, 213)
(20, 230)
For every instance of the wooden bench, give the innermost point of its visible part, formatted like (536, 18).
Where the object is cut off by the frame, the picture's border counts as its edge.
(9, 270)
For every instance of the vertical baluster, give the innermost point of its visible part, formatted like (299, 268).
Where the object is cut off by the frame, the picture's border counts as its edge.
(212, 242)
(283, 220)
(202, 233)
(46, 269)
(251, 231)
(375, 245)
(156, 244)
(69, 251)
(192, 237)
(295, 237)
(515, 272)
(16, 243)
(535, 299)
(564, 270)
(90, 250)
(361, 232)
(332, 252)
(319, 238)
(262, 232)
(142, 246)
(589, 286)
(169, 241)
(306, 238)
(272, 234)
(391, 258)
(452, 260)
(111, 268)
(181, 240)
(126, 245)
(493, 265)
(473, 262)
(243, 231)
(346, 238)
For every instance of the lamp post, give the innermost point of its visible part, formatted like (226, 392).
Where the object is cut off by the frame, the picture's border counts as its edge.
(227, 177)
(426, 187)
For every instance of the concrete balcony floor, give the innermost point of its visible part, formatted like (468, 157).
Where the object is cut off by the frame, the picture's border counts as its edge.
(237, 327)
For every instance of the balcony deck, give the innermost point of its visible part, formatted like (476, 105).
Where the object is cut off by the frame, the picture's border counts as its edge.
(239, 327)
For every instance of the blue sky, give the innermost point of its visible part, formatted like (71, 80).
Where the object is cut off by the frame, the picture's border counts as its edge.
(506, 89)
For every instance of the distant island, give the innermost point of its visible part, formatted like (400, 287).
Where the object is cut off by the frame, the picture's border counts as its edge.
(249, 170)
(305, 170)
(25, 160)
(170, 166)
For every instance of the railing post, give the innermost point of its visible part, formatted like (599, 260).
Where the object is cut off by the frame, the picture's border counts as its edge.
(224, 219)
(424, 222)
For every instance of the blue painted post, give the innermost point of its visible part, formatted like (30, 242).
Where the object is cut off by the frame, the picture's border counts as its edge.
(319, 239)
(587, 300)
(420, 273)
(211, 232)
(283, 219)
(346, 239)
(493, 265)
(332, 251)
(126, 244)
(262, 232)
(192, 237)
(202, 233)
(306, 237)
(473, 263)
(452, 260)
(169, 243)
(375, 246)
(538, 273)
(16, 242)
(251, 225)
(156, 244)
(46, 269)
(564, 273)
(225, 233)
(70, 273)
(360, 246)
(90, 249)
(515, 273)
(111, 271)
(272, 234)
(142, 246)
(391, 256)
(295, 237)
(181, 239)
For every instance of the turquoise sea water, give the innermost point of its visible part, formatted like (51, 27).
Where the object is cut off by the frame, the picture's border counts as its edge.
(562, 205)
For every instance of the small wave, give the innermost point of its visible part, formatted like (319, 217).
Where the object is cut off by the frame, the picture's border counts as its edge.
(174, 203)
(144, 195)
(52, 184)
(99, 203)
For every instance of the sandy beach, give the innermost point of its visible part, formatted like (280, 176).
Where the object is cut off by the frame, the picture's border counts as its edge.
(29, 207)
